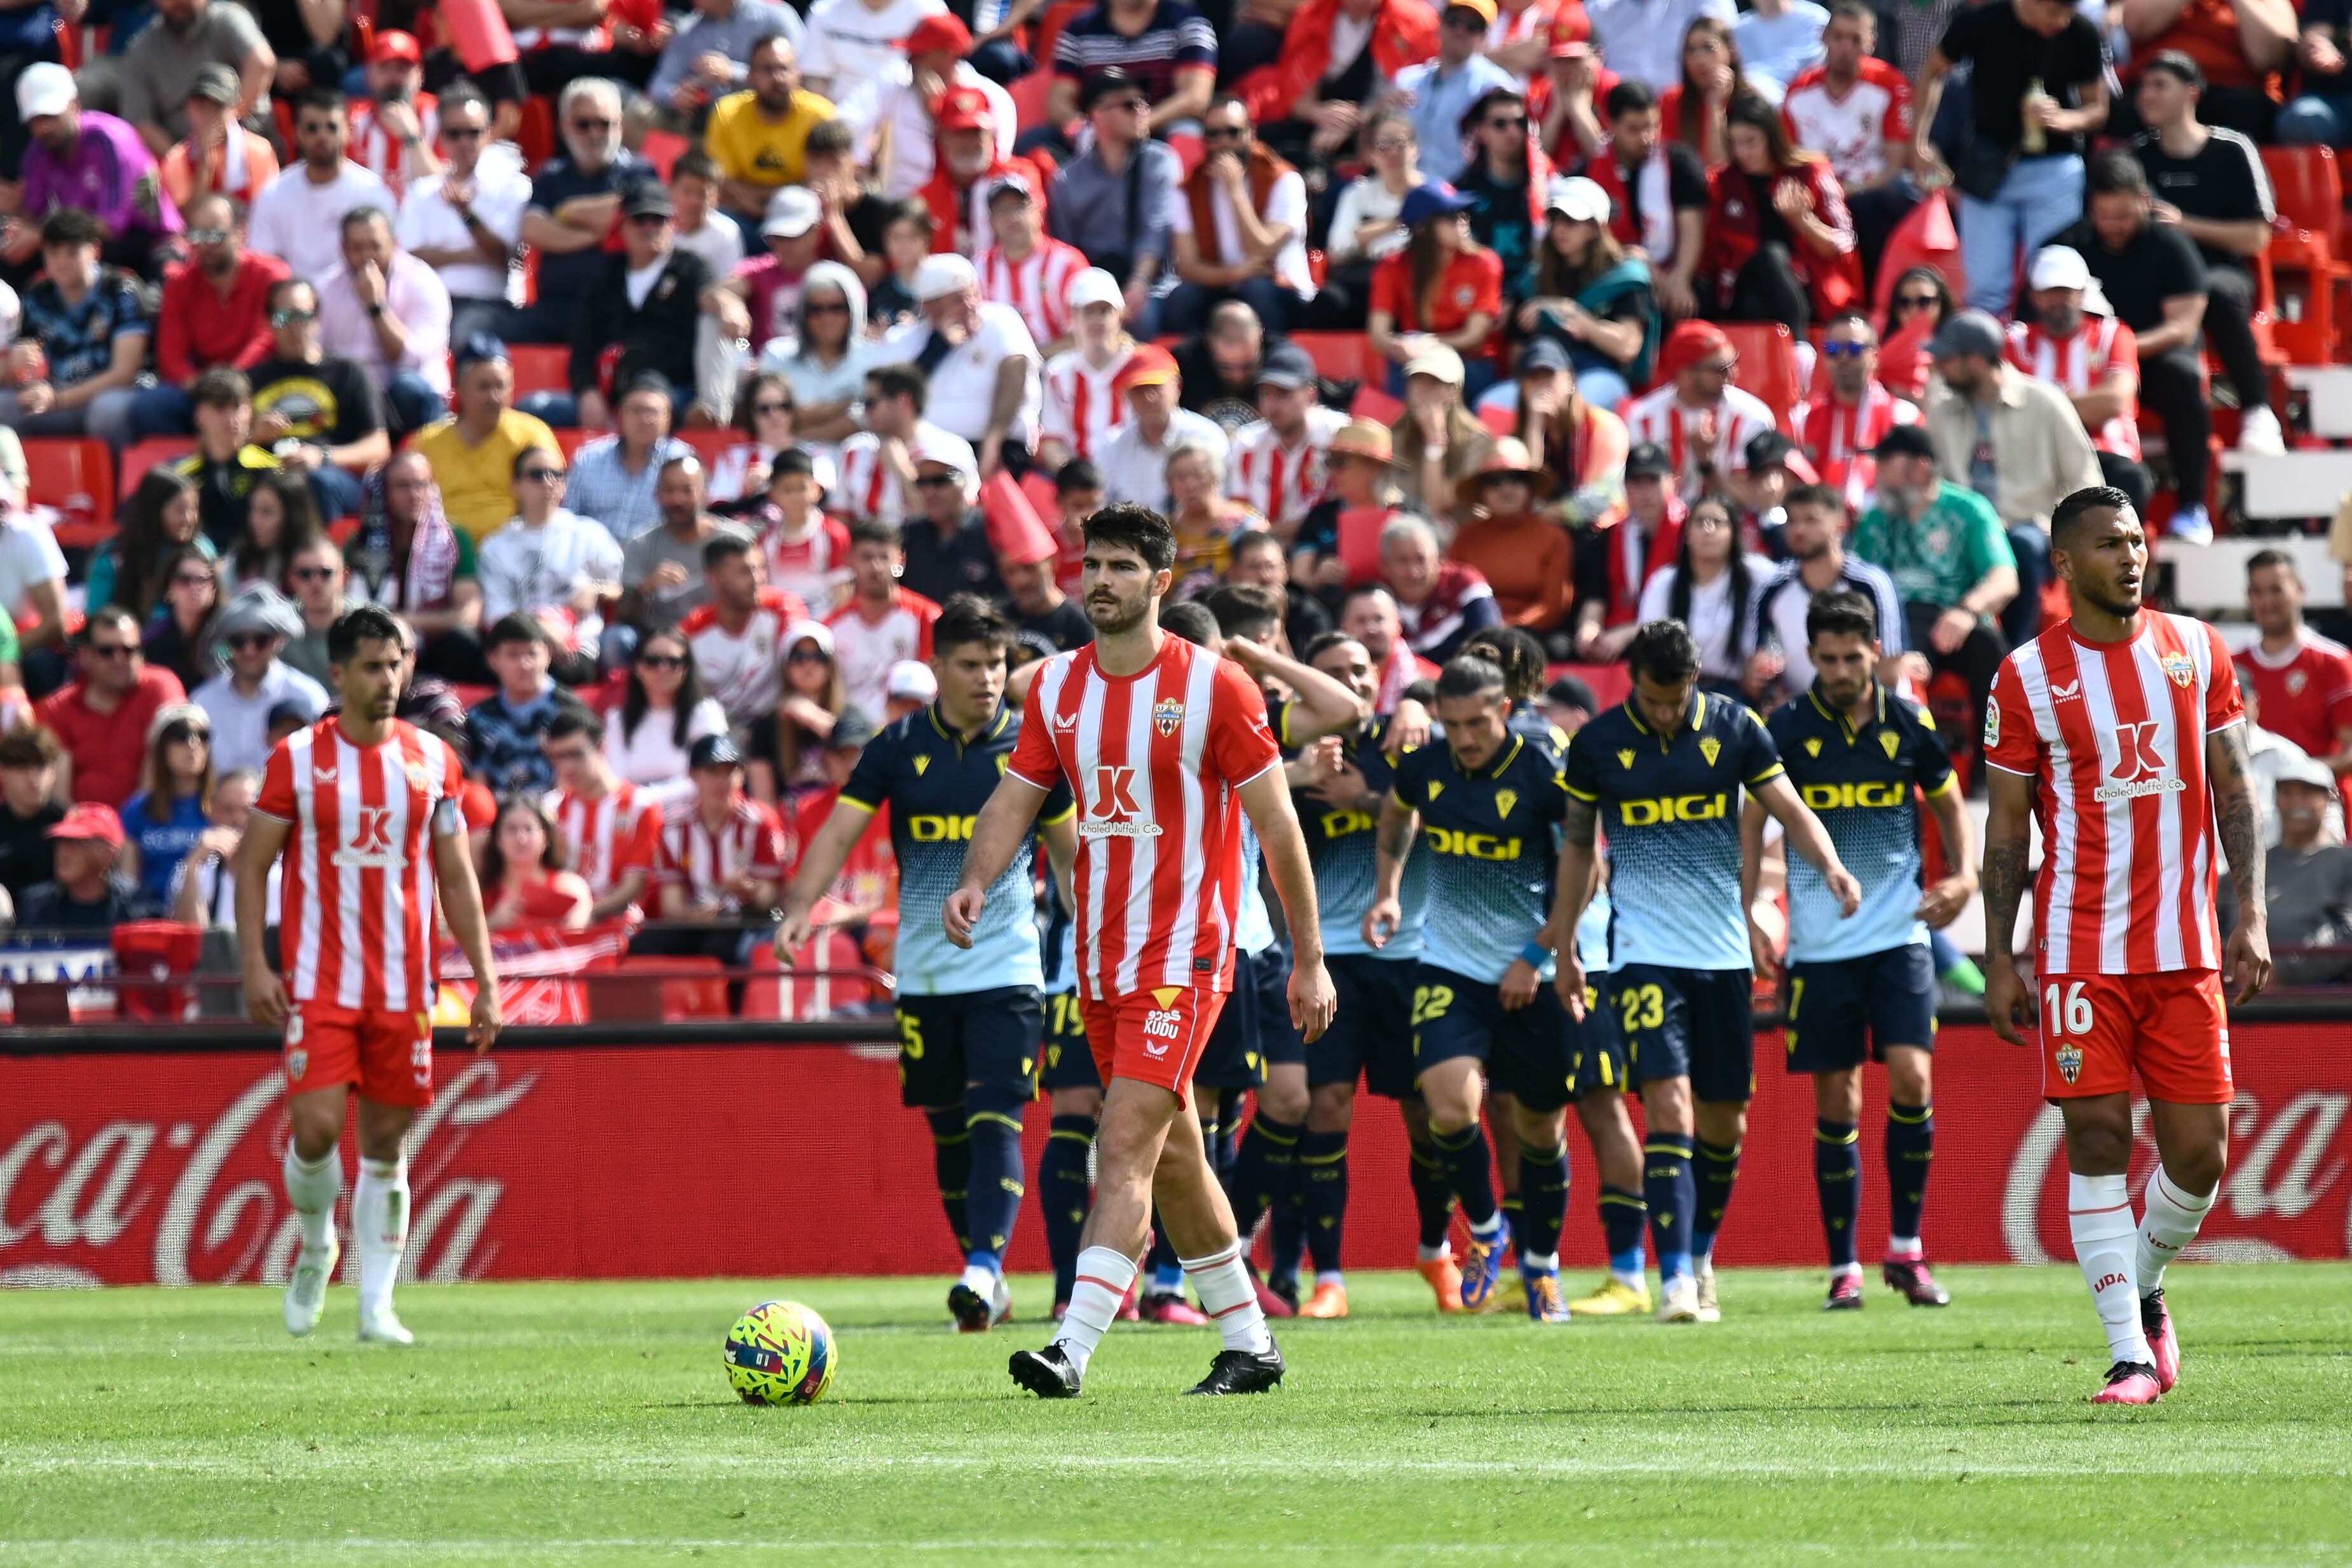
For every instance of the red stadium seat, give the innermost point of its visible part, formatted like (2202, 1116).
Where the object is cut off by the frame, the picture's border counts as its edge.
(1029, 95)
(1058, 15)
(571, 438)
(2306, 256)
(1338, 356)
(1768, 366)
(536, 135)
(154, 451)
(76, 477)
(685, 992)
(828, 976)
(540, 367)
(663, 149)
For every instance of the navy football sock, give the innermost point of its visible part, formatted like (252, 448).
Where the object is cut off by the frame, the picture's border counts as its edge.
(952, 1163)
(1065, 1196)
(1323, 1196)
(995, 1190)
(1262, 1171)
(1667, 1186)
(1167, 1271)
(1716, 1168)
(1286, 1228)
(1623, 1214)
(1469, 1171)
(1910, 1151)
(1837, 1172)
(1432, 1198)
(1543, 1188)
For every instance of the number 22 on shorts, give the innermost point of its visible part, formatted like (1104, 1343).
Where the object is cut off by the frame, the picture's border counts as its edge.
(2070, 1014)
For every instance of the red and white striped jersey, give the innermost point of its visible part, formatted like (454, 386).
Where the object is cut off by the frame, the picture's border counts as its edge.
(750, 842)
(1853, 133)
(1840, 439)
(2102, 347)
(866, 646)
(2304, 694)
(1039, 287)
(739, 668)
(603, 839)
(868, 488)
(357, 926)
(1276, 483)
(376, 150)
(1081, 410)
(813, 568)
(2114, 738)
(1660, 417)
(1155, 761)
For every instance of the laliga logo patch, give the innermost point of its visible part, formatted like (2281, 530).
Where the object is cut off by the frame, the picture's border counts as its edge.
(1993, 725)
(2179, 667)
(1167, 714)
(2070, 1062)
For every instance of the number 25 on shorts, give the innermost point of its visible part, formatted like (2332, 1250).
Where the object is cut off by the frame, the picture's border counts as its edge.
(2069, 1014)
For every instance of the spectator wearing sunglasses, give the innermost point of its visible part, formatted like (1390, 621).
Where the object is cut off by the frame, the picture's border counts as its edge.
(298, 219)
(319, 413)
(256, 626)
(163, 822)
(465, 222)
(316, 574)
(1498, 180)
(1844, 424)
(574, 200)
(1238, 226)
(101, 719)
(1920, 301)
(215, 312)
(552, 563)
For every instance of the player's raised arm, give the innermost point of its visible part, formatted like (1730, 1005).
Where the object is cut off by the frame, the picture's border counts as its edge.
(996, 838)
(1391, 842)
(1324, 706)
(1577, 831)
(1809, 838)
(2238, 823)
(1267, 798)
(461, 902)
(265, 993)
(819, 863)
(2009, 815)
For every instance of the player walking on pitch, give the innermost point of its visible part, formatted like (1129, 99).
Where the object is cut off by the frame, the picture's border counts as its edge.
(1159, 743)
(351, 802)
(2122, 732)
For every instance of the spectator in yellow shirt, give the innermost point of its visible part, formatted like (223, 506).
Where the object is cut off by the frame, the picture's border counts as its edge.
(473, 453)
(759, 138)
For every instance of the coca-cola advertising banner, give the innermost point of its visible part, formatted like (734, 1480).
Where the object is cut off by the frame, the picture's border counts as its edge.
(796, 1160)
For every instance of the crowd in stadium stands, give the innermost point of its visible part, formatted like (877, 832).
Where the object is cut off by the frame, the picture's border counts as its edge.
(665, 370)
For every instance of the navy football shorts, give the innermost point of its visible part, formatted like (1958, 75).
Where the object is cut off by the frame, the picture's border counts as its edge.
(1525, 1050)
(1841, 1009)
(972, 1036)
(1698, 1024)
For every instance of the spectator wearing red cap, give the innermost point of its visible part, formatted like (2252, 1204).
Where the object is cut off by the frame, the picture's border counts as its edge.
(101, 719)
(397, 126)
(895, 107)
(759, 137)
(1780, 246)
(215, 312)
(88, 893)
(1702, 421)
(1519, 37)
(1567, 99)
(1134, 461)
(972, 161)
(705, 58)
(1238, 229)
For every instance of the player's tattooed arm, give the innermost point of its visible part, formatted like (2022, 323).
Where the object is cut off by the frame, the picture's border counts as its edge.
(2239, 820)
(2009, 802)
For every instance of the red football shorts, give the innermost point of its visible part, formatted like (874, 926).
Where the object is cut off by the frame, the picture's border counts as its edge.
(1156, 1036)
(389, 1055)
(2096, 1029)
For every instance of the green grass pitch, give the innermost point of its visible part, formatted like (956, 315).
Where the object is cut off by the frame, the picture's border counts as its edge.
(592, 1424)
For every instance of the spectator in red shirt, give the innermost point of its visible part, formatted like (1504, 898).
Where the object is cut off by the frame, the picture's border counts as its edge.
(2241, 45)
(1444, 285)
(1693, 110)
(1780, 246)
(215, 312)
(1310, 105)
(101, 719)
(2299, 683)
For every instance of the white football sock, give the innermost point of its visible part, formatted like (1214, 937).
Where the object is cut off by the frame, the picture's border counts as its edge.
(1901, 1248)
(1432, 1254)
(380, 1226)
(2170, 1223)
(1544, 1263)
(1103, 1275)
(2099, 1213)
(313, 1189)
(1330, 1277)
(980, 1280)
(1223, 1283)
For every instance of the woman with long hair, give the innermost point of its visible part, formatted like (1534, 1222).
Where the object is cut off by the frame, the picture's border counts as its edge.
(1596, 300)
(1444, 285)
(1780, 242)
(1709, 588)
(161, 514)
(163, 822)
(180, 638)
(788, 746)
(281, 519)
(1364, 230)
(1694, 109)
(1917, 305)
(665, 712)
(524, 881)
(825, 364)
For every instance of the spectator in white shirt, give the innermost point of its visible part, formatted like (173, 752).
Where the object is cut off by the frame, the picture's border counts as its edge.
(388, 312)
(465, 222)
(298, 218)
(854, 41)
(32, 574)
(982, 364)
(1253, 249)
(701, 228)
(552, 563)
(239, 700)
(1134, 461)
(664, 712)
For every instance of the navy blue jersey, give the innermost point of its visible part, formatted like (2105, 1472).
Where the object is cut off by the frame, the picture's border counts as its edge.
(1670, 806)
(1493, 841)
(1859, 782)
(1342, 849)
(935, 785)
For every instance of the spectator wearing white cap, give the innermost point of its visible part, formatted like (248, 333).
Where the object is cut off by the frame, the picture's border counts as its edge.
(790, 235)
(81, 157)
(1081, 408)
(982, 364)
(946, 541)
(1026, 268)
(2073, 343)
(256, 628)
(911, 689)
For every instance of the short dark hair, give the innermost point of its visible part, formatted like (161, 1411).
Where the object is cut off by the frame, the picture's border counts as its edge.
(1240, 606)
(361, 624)
(1321, 643)
(647, 383)
(2262, 559)
(1104, 83)
(514, 626)
(900, 380)
(830, 136)
(2068, 517)
(1841, 611)
(30, 746)
(71, 225)
(1826, 496)
(695, 163)
(969, 618)
(284, 286)
(1854, 11)
(1629, 98)
(792, 460)
(220, 387)
(528, 453)
(913, 210)
(2117, 174)
(120, 615)
(463, 94)
(322, 98)
(1250, 540)
(572, 719)
(1077, 473)
(1128, 524)
(1189, 620)
(723, 546)
(366, 213)
(1664, 650)
(1467, 675)
(2177, 65)
(874, 531)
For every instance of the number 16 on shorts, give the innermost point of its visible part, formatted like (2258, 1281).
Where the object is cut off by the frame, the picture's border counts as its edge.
(2168, 1028)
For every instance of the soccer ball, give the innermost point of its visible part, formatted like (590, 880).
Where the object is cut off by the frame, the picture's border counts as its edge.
(780, 1352)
